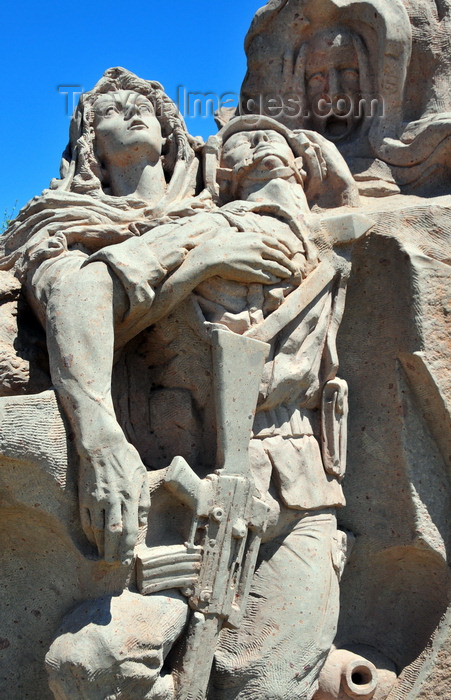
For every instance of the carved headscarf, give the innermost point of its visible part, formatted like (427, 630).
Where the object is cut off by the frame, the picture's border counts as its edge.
(77, 198)
(80, 170)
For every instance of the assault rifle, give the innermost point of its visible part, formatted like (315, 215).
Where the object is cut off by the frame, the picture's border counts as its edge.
(229, 518)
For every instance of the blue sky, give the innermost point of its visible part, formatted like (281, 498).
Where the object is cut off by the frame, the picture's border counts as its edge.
(197, 45)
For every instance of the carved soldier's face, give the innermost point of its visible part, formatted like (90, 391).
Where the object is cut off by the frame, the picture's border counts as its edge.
(126, 128)
(262, 150)
(333, 83)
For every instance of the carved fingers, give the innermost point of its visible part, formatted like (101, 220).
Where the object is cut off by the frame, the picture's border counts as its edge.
(92, 236)
(284, 237)
(247, 256)
(110, 536)
(144, 502)
(114, 501)
(277, 252)
(130, 524)
(333, 179)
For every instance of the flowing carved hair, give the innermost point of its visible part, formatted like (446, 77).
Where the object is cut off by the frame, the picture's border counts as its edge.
(80, 170)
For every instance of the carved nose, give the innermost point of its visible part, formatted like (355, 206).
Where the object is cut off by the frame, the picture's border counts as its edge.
(131, 111)
(334, 82)
(259, 137)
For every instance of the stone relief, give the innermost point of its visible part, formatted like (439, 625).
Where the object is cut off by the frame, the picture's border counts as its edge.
(174, 430)
(384, 66)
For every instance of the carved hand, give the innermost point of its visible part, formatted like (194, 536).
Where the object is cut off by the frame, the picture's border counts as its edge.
(332, 176)
(293, 73)
(113, 495)
(91, 236)
(170, 244)
(248, 257)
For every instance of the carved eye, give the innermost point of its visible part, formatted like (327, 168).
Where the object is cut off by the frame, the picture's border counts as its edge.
(350, 75)
(275, 136)
(316, 81)
(236, 142)
(110, 110)
(145, 108)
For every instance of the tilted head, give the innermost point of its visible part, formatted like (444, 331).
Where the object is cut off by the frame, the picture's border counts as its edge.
(256, 157)
(126, 128)
(121, 117)
(255, 149)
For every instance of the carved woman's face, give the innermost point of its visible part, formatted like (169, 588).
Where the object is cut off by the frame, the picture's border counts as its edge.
(333, 83)
(126, 128)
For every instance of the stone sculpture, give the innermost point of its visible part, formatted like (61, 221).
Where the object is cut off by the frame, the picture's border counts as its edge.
(173, 445)
(369, 56)
(233, 262)
(394, 132)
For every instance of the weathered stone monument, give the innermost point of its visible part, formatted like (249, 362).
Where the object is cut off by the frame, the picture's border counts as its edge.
(225, 386)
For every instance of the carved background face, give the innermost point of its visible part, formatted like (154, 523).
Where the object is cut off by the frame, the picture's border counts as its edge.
(126, 128)
(261, 149)
(333, 83)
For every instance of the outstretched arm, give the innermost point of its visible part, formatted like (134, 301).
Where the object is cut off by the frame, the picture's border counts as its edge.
(83, 306)
(83, 303)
